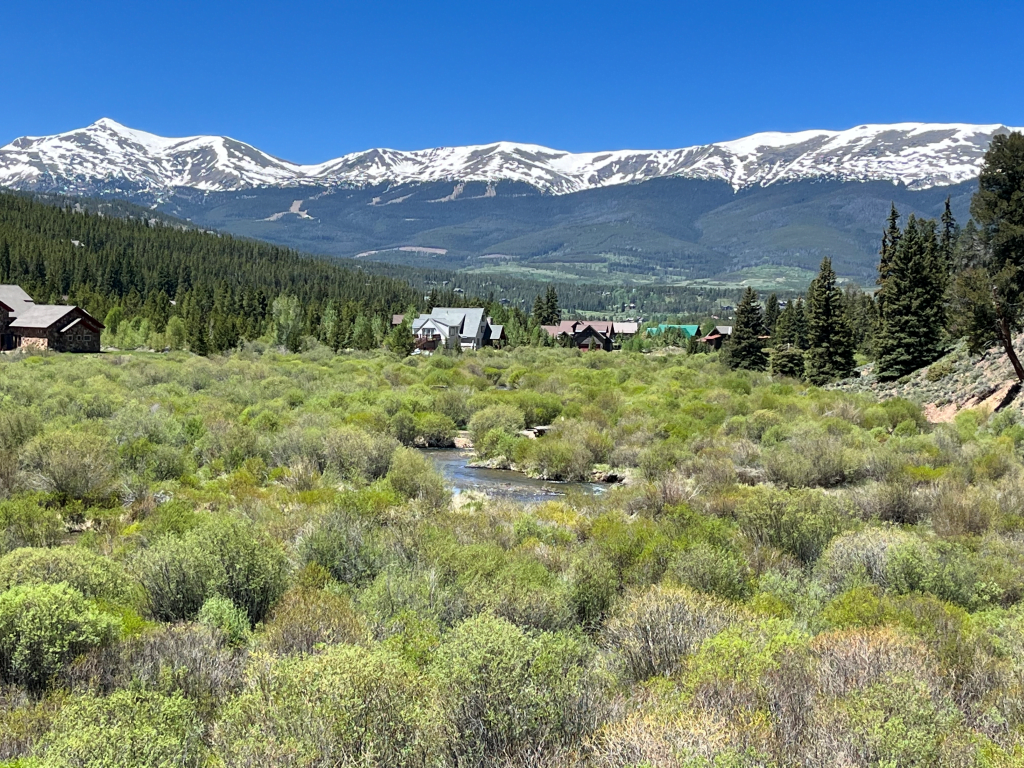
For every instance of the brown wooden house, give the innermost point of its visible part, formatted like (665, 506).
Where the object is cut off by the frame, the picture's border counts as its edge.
(62, 328)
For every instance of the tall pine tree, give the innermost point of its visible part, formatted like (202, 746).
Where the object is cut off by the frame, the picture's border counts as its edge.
(771, 313)
(912, 314)
(829, 338)
(745, 349)
(989, 291)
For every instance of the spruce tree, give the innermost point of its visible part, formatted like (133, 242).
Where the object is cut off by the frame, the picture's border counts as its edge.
(362, 334)
(890, 238)
(400, 340)
(771, 313)
(992, 290)
(554, 312)
(745, 347)
(829, 338)
(800, 318)
(911, 296)
(950, 233)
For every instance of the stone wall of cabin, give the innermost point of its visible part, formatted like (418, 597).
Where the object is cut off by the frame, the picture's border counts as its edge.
(77, 339)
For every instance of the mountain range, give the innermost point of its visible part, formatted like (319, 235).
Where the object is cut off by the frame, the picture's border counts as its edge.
(771, 201)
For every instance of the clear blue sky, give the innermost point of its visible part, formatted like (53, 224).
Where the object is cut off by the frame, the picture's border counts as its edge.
(308, 80)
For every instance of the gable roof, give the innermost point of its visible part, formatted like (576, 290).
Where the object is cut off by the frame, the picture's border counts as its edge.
(14, 298)
(470, 318)
(688, 331)
(41, 316)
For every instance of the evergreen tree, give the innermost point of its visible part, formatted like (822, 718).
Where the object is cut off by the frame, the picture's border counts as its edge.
(948, 237)
(362, 334)
(545, 308)
(786, 327)
(400, 340)
(862, 317)
(745, 348)
(890, 238)
(991, 290)
(829, 338)
(771, 313)
(912, 319)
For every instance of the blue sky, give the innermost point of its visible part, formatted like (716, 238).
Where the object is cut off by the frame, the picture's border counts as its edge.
(308, 80)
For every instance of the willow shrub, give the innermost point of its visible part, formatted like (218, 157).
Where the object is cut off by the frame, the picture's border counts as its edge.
(346, 706)
(654, 631)
(43, 627)
(91, 574)
(128, 729)
(508, 693)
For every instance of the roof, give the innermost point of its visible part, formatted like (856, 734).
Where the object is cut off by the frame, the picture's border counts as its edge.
(688, 331)
(397, 319)
(627, 328)
(14, 297)
(41, 315)
(470, 318)
(725, 330)
(424, 321)
(497, 331)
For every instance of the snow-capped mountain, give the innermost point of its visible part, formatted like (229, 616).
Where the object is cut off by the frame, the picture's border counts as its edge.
(109, 157)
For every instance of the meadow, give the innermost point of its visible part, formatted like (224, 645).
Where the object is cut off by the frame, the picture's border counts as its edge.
(245, 560)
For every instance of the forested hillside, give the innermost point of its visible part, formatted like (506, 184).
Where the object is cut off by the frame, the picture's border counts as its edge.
(221, 287)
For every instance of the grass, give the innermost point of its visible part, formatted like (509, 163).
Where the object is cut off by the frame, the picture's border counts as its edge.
(241, 557)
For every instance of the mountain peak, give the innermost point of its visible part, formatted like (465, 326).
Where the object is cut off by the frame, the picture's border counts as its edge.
(107, 154)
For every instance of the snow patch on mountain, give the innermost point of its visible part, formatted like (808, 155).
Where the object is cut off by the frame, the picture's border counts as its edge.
(109, 157)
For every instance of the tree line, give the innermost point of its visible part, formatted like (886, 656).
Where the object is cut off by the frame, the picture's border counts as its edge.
(937, 282)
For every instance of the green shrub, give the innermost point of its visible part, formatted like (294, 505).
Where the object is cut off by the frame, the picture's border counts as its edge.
(593, 589)
(403, 427)
(810, 462)
(71, 463)
(24, 522)
(307, 619)
(254, 567)
(652, 632)
(355, 453)
(504, 418)
(507, 693)
(43, 627)
(178, 574)
(221, 614)
(128, 729)
(347, 706)
(800, 523)
(893, 722)
(715, 570)
(91, 574)
(435, 430)
(349, 547)
(550, 458)
(414, 476)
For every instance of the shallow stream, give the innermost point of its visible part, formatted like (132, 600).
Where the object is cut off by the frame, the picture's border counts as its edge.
(502, 483)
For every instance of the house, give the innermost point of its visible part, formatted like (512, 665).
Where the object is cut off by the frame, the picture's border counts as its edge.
(719, 334)
(62, 328)
(589, 334)
(454, 328)
(687, 331)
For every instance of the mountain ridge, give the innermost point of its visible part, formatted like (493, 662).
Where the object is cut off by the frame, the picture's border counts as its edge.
(109, 157)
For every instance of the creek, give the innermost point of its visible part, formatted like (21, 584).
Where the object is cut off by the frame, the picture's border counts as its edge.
(504, 483)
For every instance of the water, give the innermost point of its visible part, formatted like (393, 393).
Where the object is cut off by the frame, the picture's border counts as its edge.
(499, 482)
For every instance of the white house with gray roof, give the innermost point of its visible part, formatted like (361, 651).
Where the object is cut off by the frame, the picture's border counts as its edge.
(454, 328)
